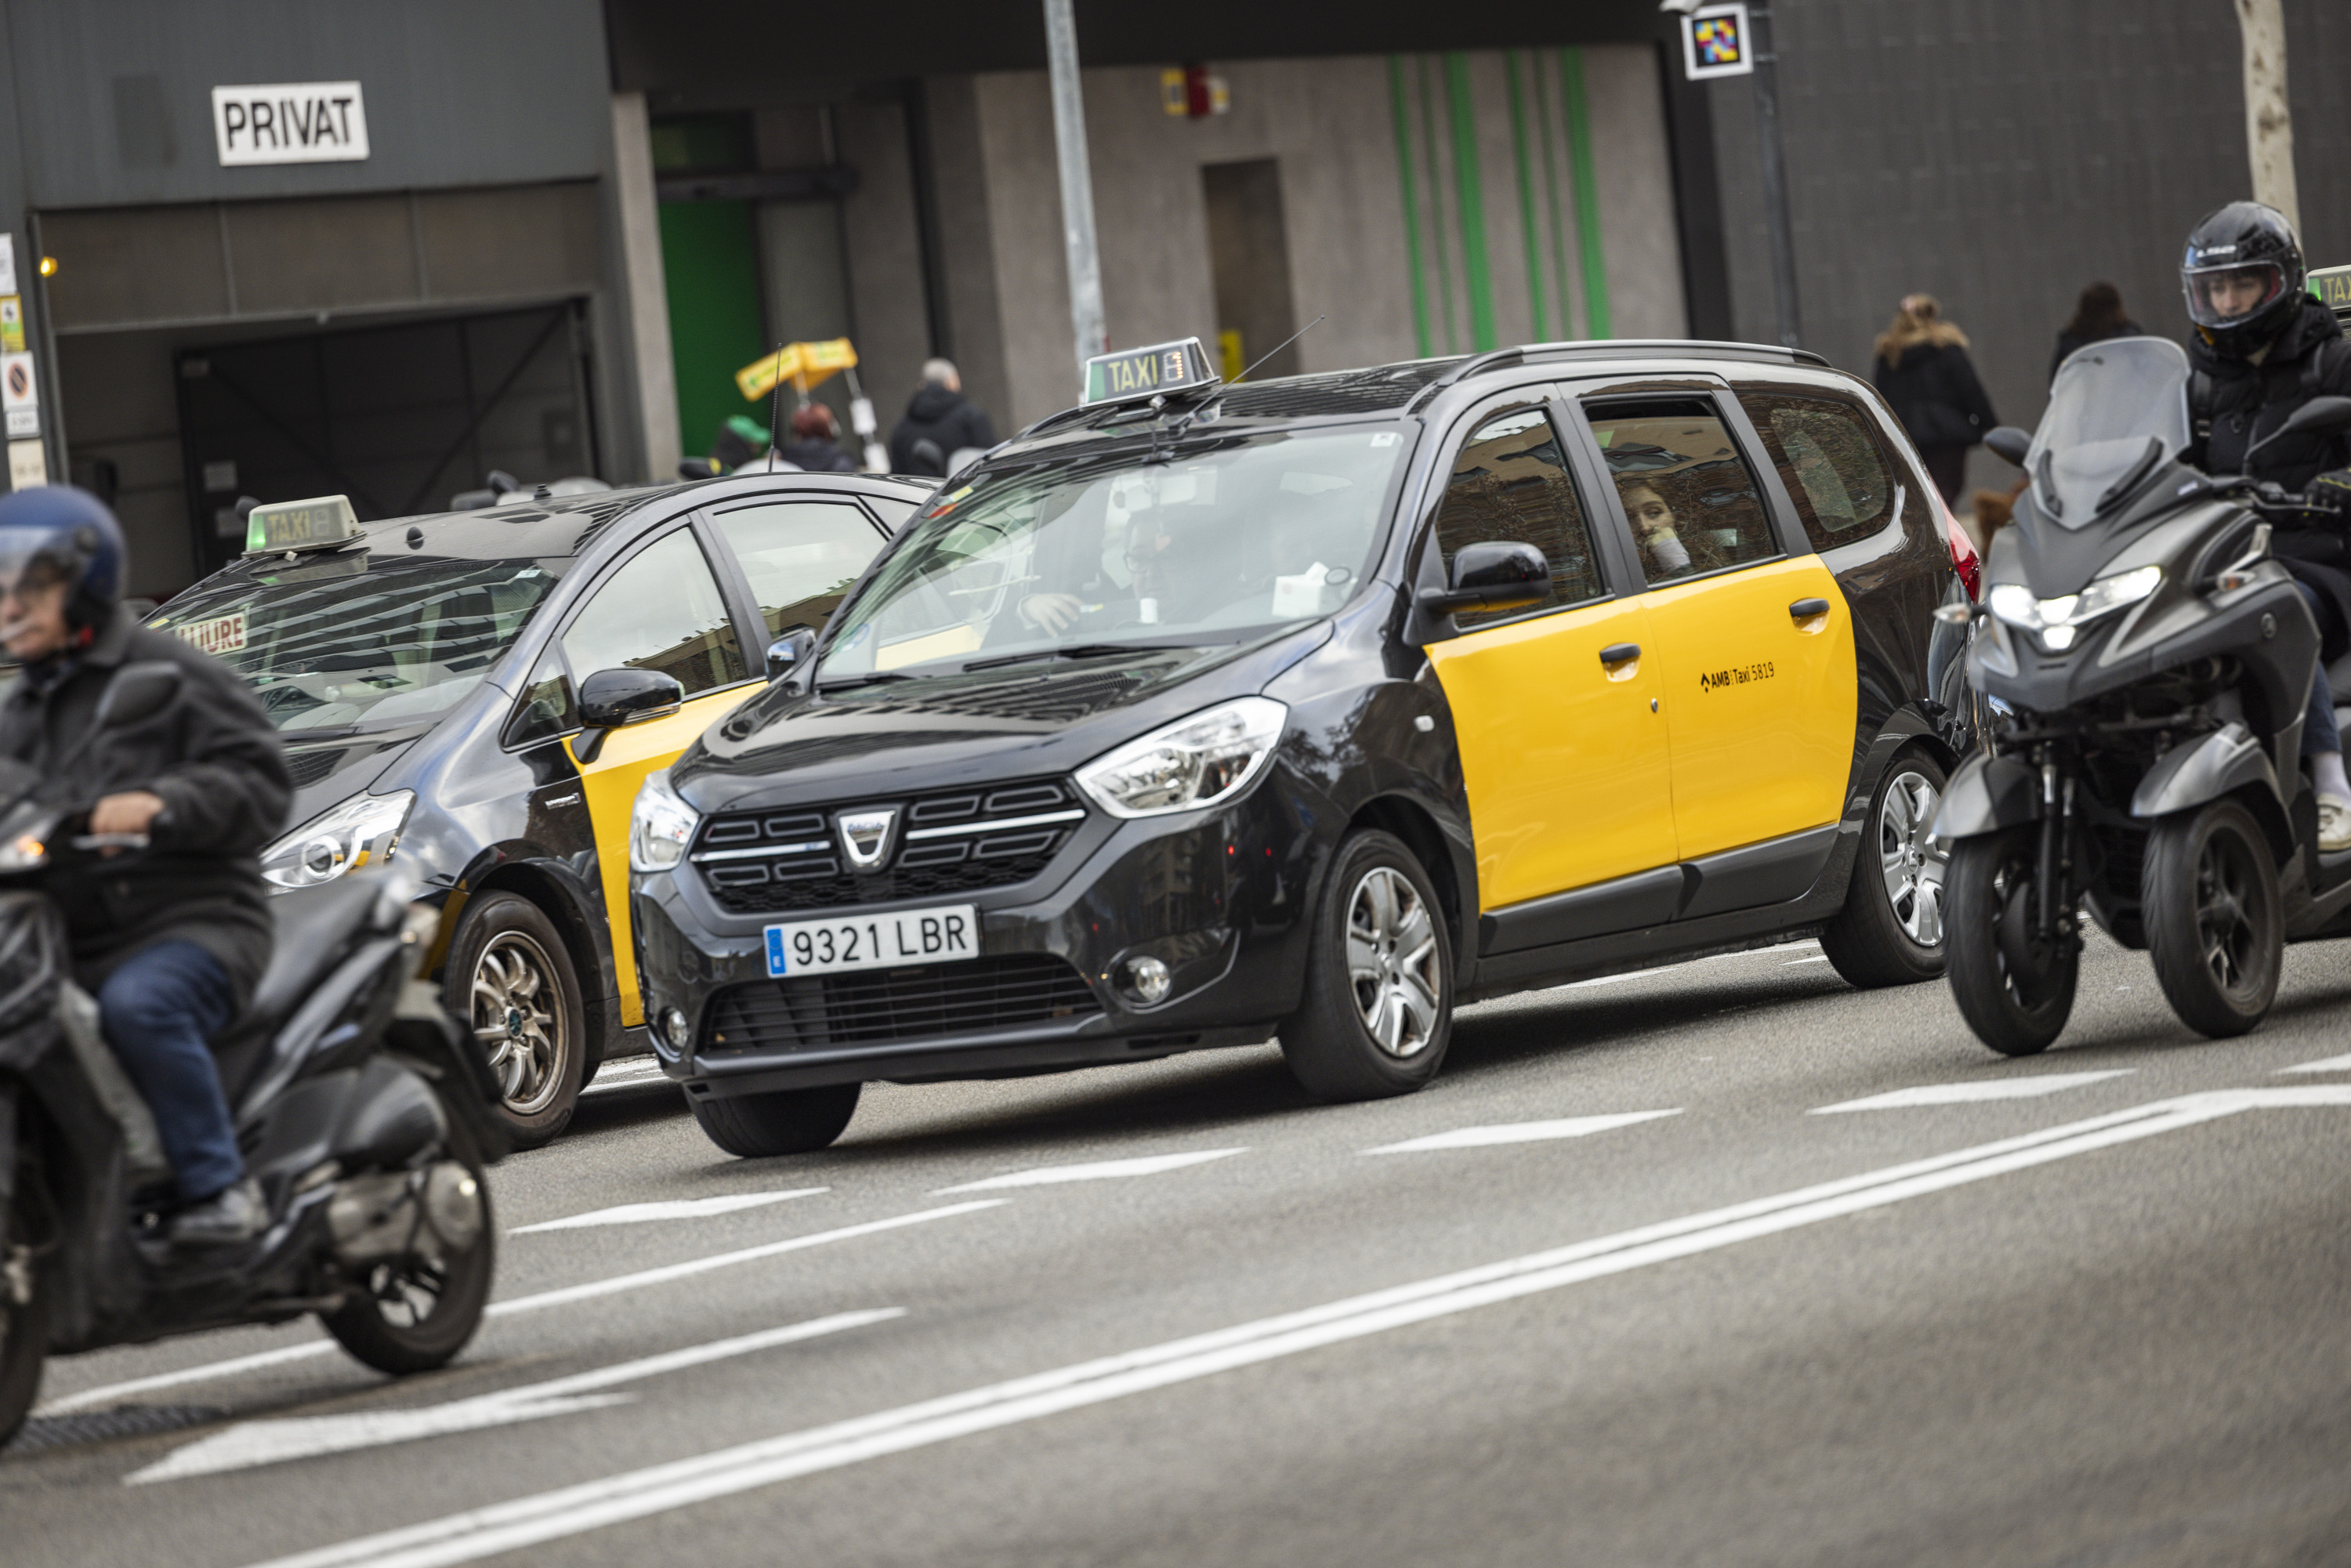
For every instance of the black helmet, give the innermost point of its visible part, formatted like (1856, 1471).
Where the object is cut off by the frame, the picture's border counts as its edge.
(2242, 275)
(55, 533)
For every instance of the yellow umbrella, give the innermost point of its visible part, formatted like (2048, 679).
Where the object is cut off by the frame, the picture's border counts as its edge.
(803, 364)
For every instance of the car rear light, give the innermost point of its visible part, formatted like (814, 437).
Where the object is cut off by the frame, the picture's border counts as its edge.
(1964, 560)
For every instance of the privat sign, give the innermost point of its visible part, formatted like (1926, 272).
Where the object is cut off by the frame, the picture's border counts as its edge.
(290, 123)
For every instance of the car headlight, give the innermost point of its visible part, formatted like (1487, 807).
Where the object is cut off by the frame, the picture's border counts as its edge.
(660, 825)
(1194, 762)
(2058, 618)
(363, 831)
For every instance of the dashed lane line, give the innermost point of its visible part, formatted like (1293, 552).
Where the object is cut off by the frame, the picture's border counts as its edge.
(1097, 1170)
(2020, 1088)
(676, 1208)
(476, 1533)
(613, 1286)
(2332, 1064)
(1520, 1133)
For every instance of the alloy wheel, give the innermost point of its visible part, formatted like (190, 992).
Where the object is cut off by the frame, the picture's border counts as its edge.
(518, 1018)
(1391, 961)
(1912, 860)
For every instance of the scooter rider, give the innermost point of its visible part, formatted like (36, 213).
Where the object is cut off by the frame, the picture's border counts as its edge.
(170, 939)
(2263, 348)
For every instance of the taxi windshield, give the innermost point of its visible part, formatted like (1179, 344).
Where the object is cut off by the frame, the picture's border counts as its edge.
(2118, 411)
(346, 642)
(1209, 541)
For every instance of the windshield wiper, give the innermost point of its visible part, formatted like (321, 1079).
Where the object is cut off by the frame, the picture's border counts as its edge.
(873, 678)
(1076, 651)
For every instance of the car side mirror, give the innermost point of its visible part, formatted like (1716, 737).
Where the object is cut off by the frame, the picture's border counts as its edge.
(1494, 575)
(611, 699)
(2008, 442)
(137, 693)
(789, 651)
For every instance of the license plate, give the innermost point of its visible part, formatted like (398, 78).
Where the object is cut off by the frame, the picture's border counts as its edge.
(874, 941)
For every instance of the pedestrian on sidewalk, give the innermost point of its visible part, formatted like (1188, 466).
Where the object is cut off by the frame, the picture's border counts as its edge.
(816, 442)
(940, 422)
(1924, 371)
(2098, 317)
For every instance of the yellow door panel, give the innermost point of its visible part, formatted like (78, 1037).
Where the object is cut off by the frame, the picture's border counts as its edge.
(1761, 705)
(611, 783)
(1566, 762)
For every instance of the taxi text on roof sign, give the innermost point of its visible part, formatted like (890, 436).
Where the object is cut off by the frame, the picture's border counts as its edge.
(1147, 373)
(319, 523)
(2332, 286)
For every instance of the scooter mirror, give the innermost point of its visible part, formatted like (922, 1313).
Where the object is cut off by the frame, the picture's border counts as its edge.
(2007, 441)
(137, 693)
(2320, 413)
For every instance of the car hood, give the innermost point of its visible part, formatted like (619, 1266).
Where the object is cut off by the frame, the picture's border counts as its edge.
(327, 773)
(891, 738)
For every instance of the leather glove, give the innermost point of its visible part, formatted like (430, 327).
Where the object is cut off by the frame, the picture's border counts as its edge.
(2332, 491)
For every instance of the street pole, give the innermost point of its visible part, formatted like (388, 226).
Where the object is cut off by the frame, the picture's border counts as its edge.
(1077, 182)
(2269, 121)
(1775, 171)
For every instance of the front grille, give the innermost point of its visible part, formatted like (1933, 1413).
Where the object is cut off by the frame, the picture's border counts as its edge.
(950, 843)
(875, 1007)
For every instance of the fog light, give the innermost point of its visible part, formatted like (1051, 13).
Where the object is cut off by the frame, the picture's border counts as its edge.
(1147, 979)
(675, 1029)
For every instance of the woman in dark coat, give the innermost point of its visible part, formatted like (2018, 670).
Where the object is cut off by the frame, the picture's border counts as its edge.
(1924, 371)
(2097, 317)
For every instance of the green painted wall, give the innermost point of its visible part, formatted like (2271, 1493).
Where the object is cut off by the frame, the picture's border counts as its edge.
(710, 261)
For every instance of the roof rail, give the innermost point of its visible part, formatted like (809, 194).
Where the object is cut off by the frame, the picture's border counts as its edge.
(1616, 348)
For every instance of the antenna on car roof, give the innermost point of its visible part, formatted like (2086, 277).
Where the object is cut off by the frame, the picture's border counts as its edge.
(775, 413)
(1278, 348)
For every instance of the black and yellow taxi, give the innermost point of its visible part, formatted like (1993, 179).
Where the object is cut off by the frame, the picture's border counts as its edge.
(1202, 714)
(477, 695)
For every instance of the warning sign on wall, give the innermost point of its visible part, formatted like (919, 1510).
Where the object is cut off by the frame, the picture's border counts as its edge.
(20, 394)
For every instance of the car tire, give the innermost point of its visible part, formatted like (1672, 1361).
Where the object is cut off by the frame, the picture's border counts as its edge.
(509, 978)
(380, 1325)
(1376, 1013)
(2215, 926)
(2016, 1009)
(787, 1122)
(1890, 931)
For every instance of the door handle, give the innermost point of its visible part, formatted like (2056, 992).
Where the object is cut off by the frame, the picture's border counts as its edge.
(1617, 653)
(1805, 609)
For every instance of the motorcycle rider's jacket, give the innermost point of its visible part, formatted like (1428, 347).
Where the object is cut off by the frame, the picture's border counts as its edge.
(213, 759)
(2234, 402)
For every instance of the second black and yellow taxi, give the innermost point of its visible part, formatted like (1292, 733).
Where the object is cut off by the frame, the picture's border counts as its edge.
(1201, 714)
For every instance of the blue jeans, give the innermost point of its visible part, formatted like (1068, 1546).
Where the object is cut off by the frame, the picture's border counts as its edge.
(157, 1010)
(2319, 734)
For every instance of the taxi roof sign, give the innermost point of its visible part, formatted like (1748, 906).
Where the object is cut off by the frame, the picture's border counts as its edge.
(1135, 374)
(2331, 287)
(322, 522)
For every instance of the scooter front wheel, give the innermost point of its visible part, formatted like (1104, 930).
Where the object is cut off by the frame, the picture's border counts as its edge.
(2015, 990)
(24, 1326)
(2215, 926)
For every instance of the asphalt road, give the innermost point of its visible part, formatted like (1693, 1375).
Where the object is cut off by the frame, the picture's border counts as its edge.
(1626, 1295)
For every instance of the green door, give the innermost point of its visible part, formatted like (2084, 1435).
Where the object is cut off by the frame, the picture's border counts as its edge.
(710, 260)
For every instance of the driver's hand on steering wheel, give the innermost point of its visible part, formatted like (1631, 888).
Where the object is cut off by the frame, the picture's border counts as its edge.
(1054, 613)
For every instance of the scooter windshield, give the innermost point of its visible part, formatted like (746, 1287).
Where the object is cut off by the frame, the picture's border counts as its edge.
(2117, 413)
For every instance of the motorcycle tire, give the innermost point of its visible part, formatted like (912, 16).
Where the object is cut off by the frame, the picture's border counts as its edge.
(378, 1323)
(787, 1122)
(1890, 931)
(2215, 923)
(2017, 1008)
(23, 1340)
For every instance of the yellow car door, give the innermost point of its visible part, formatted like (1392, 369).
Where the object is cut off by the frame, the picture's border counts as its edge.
(660, 610)
(1754, 645)
(1554, 708)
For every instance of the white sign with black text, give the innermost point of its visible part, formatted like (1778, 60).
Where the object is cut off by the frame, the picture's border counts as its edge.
(290, 123)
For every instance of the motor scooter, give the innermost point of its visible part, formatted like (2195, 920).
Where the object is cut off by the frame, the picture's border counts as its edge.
(2146, 666)
(361, 1110)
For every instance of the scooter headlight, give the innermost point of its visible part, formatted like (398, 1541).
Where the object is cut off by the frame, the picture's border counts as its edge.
(363, 831)
(1194, 762)
(659, 827)
(2060, 619)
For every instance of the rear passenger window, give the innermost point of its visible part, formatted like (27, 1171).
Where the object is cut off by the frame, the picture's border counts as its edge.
(660, 610)
(1510, 485)
(800, 555)
(1688, 495)
(1834, 468)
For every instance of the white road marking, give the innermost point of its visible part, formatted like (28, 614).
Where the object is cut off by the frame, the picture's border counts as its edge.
(476, 1533)
(631, 1072)
(2332, 1064)
(558, 1298)
(249, 1444)
(2030, 1088)
(1816, 958)
(679, 1209)
(1669, 969)
(1520, 1133)
(1099, 1170)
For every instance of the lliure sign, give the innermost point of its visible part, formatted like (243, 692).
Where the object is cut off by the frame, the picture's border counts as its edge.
(290, 123)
